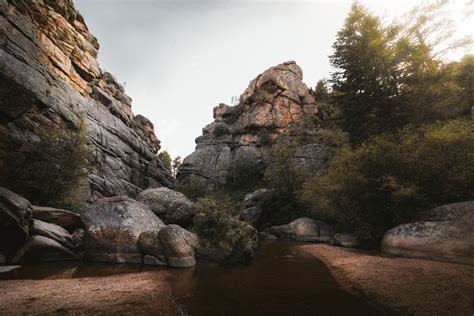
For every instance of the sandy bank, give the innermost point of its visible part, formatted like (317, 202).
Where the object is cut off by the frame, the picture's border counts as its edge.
(408, 286)
(129, 294)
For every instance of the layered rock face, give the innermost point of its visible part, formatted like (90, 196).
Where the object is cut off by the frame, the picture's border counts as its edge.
(275, 108)
(49, 74)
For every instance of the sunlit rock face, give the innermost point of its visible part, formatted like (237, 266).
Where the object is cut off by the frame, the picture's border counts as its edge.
(275, 106)
(49, 73)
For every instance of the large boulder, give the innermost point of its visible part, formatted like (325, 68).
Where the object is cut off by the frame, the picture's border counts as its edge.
(15, 219)
(172, 207)
(113, 227)
(150, 246)
(254, 198)
(179, 246)
(346, 240)
(303, 229)
(66, 219)
(43, 249)
(251, 215)
(442, 233)
(53, 232)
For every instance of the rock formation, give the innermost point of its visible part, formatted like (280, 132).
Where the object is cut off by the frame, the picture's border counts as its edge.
(443, 233)
(301, 229)
(113, 227)
(25, 239)
(49, 74)
(170, 206)
(277, 107)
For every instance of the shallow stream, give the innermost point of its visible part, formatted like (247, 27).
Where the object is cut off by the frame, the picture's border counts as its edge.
(281, 280)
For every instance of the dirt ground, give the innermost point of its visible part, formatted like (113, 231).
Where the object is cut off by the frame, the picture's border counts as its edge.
(129, 294)
(406, 286)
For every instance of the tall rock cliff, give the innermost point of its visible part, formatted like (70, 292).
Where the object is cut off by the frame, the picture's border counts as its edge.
(49, 74)
(276, 108)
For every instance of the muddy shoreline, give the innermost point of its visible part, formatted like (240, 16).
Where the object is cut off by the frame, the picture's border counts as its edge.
(400, 285)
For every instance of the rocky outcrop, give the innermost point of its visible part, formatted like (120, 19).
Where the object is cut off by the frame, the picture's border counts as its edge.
(179, 246)
(66, 219)
(43, 249)
(301, 229)
(15, 219)
(443, 233)
(276, 108)
(53, 232)
(113, 227)
(170, 206)
(346, 240)
(50, 76)
(31, 240)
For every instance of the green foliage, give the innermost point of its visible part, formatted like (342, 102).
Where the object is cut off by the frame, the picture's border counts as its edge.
(365, 79)
(388, 179)
(55, 169)
(282, 173)
(321, 91)
(285, 178)
(244, 172)
(192, 188)
(392, 76)
(165, 158)
(217, 229)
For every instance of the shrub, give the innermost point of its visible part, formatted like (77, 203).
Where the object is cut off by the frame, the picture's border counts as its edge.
(217, 229)
(244, 172)
(388, 179)
(192, 188)
(165, 158)
(55, 169)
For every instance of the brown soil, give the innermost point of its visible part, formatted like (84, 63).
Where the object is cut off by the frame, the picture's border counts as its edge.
(405, 286)
(129, 294)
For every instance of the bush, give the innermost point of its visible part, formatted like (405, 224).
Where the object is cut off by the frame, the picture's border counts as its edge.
(192, 188)
(244, 172)
(217, 229)
(388, 179)
(54, 171)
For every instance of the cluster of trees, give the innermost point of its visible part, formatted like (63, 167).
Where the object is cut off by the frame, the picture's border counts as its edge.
(391, 76)
(408, 116)
(396, 118)
(171, 165)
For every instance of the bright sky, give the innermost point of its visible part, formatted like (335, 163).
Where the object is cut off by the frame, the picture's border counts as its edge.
(181, 58)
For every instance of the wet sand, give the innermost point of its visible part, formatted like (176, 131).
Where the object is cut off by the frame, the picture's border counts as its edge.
(128, 294)
(404, 286)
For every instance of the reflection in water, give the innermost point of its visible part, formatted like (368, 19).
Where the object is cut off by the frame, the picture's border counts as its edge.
(280, 281)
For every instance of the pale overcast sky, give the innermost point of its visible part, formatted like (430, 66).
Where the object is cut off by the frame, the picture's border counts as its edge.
(181, 58)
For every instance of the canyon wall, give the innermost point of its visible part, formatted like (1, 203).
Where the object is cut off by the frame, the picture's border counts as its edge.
(49, 74)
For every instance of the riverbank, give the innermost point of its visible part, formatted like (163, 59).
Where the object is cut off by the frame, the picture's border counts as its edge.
(128, 294)
(405, 286)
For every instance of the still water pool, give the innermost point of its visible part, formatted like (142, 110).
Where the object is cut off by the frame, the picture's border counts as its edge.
(281, 280)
